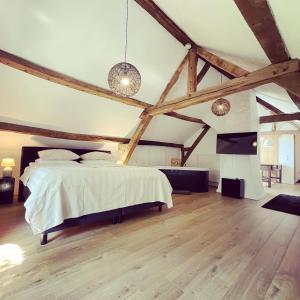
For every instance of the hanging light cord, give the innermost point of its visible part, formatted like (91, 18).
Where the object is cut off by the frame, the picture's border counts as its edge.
(126, 31)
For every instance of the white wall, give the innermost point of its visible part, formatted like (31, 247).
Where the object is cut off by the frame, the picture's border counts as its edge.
(286, 157)
(244, 117)
(204, 155)
(12, 143)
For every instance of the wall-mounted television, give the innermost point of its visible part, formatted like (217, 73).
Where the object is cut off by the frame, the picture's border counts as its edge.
(237, 143)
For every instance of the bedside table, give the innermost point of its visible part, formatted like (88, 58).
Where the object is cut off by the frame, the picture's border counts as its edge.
(7, 185)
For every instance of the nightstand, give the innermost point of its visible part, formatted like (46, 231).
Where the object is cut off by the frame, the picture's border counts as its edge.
(7, 185)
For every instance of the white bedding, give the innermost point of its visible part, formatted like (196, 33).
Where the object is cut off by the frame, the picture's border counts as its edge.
(60, 192)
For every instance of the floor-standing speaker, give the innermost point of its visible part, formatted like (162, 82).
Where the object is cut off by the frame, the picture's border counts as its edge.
(234, 188)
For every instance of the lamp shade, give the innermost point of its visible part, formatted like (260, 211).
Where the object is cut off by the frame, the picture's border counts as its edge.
(7, 162)
(220, 107)
(124, 79)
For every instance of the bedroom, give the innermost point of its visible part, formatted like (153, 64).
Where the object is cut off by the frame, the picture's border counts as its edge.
(56, 57)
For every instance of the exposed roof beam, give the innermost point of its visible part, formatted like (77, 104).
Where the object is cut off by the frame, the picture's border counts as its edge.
(146, 119)
(135, 138)
(274, 110)
(23, 129)
(56, 77)
(194, 145)
(252, 80)
(259, 17)
(280, 118)
(202, 72)
(192, 72)
(220, 63)
(173, 79)
(165, 21)
(184, 117)
(223, 66)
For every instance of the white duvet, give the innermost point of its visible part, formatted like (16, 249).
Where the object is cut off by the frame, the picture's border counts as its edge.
(60, 192)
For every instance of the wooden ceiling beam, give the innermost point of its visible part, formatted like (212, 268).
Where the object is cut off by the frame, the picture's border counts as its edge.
(184, 117)
(192, 72)
(202, 72)
(68, 81)
(56, 77)
(225, 67)
(274, 110)
(251, 80)
(146, 119)
(190, 150)
(49, 133)
(220, 63)
(259, 17)
(280, 118)
(173, 79)
(165, 21)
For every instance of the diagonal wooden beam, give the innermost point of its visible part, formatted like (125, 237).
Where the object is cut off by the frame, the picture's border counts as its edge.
(195, 144)
(192, 72)
(23, 129)
(173, 79)
(56, 77)
(225, 67)
(259, 17)
(184, 117)
(202, 72)
(274, 110)
(165, 21)
(233, 71)
(252, 80)
(135, 138)
(59, 78)
(230, 68)
(146, 119)
(279, 118)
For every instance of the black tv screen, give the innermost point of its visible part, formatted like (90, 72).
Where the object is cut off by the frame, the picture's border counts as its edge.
(237, 143)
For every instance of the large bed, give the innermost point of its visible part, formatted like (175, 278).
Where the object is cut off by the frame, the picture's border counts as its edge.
(60, 196)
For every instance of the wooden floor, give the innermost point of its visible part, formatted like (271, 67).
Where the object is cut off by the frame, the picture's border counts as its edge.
(206, 247)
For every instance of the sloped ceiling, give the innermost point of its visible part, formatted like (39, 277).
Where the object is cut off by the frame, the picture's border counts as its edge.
(84, 39)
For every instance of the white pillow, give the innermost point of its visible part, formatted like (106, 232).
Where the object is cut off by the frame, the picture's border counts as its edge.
(55, 162)
(58, 154)
(104, 163)
(96, 155)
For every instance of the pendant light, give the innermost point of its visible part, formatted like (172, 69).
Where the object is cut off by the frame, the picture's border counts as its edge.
(221, 106)
(124, 79)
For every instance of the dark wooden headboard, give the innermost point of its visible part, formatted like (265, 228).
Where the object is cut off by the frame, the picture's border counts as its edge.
(30, 154)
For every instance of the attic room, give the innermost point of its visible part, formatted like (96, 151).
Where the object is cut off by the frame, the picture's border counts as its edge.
(150, 149)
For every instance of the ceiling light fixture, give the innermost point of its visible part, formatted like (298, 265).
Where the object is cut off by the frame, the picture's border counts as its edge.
(124, 78)
(221, 107)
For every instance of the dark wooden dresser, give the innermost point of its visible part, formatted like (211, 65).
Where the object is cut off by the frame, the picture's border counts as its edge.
(187, 179)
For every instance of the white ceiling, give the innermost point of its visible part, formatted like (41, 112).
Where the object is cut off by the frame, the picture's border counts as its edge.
(84, 41)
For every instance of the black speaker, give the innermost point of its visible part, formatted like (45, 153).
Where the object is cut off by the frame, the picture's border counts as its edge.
(234, 188)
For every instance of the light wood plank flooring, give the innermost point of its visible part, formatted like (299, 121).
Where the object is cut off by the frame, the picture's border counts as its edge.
(206, 247)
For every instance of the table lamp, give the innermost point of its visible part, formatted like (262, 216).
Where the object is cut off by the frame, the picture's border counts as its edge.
(7, 163)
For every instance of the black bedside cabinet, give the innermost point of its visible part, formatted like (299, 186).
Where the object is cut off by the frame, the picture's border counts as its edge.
(7, 185)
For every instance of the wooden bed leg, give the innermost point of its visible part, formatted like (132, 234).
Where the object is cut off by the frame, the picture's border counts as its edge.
(160, 207)
(44, 238)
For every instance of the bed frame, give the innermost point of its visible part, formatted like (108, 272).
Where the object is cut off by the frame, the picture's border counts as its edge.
(30, 154)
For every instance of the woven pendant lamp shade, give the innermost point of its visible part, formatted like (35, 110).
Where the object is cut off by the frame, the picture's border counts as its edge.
(220, 107)
(124, 79)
